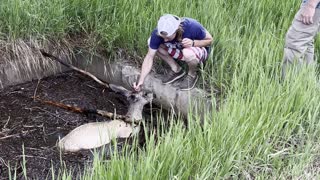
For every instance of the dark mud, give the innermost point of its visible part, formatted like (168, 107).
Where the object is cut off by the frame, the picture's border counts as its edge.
(30, 129)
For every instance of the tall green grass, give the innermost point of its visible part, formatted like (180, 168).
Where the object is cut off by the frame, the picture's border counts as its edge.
(264, 128)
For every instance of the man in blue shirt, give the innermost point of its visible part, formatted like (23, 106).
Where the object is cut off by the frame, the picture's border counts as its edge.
(177, 39)
(299, 43)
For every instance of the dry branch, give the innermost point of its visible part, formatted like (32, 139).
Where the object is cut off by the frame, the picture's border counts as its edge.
(35, 91)
(9, 136)
(84, 110)
(5, 125)
(73, 67)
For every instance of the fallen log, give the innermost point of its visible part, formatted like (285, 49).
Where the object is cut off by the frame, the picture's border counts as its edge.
(85, 110)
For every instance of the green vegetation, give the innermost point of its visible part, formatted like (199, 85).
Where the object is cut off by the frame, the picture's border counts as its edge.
(264, 128)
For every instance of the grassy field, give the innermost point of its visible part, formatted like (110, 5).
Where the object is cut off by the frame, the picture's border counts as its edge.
(264, 128)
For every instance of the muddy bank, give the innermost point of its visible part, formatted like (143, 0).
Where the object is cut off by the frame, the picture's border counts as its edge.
(32, 128)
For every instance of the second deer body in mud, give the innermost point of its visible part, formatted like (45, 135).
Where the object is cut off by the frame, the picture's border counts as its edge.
(93, 135)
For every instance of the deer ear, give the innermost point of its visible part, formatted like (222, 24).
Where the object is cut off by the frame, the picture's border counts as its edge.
(120, 89)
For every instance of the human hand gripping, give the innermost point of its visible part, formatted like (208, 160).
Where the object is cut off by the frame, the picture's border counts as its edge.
(307, 14)
(137, 86)
(186, 42)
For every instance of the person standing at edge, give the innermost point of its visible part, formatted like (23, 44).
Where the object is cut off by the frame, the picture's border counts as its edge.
(299, 43)
(173, 40)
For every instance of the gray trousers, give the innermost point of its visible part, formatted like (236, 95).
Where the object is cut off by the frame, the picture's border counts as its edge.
(299, 42)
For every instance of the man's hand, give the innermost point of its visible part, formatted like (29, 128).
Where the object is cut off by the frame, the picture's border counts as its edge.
(186, 42)
(137, 86)
(307, 14)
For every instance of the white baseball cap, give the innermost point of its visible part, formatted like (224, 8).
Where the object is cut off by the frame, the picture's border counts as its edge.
(168, 23)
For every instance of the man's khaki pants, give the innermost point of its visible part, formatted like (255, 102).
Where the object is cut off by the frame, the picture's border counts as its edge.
(299, 43)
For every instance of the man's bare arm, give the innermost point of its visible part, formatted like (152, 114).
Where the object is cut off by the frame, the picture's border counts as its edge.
(146, 68)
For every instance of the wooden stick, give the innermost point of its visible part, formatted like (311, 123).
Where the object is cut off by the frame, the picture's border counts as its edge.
(35, 91)
(5, 125)
(84, 110)
(9, 136)
(73, 67)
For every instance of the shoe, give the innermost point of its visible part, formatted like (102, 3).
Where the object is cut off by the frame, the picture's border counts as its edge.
(188, 83)
(172, 76)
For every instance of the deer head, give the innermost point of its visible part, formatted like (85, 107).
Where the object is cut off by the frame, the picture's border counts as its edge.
(137, 100)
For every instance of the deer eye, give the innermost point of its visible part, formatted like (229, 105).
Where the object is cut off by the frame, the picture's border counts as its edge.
(148, 95)
(132, 98)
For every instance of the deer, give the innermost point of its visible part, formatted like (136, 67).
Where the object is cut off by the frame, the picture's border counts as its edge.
(96, 134)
